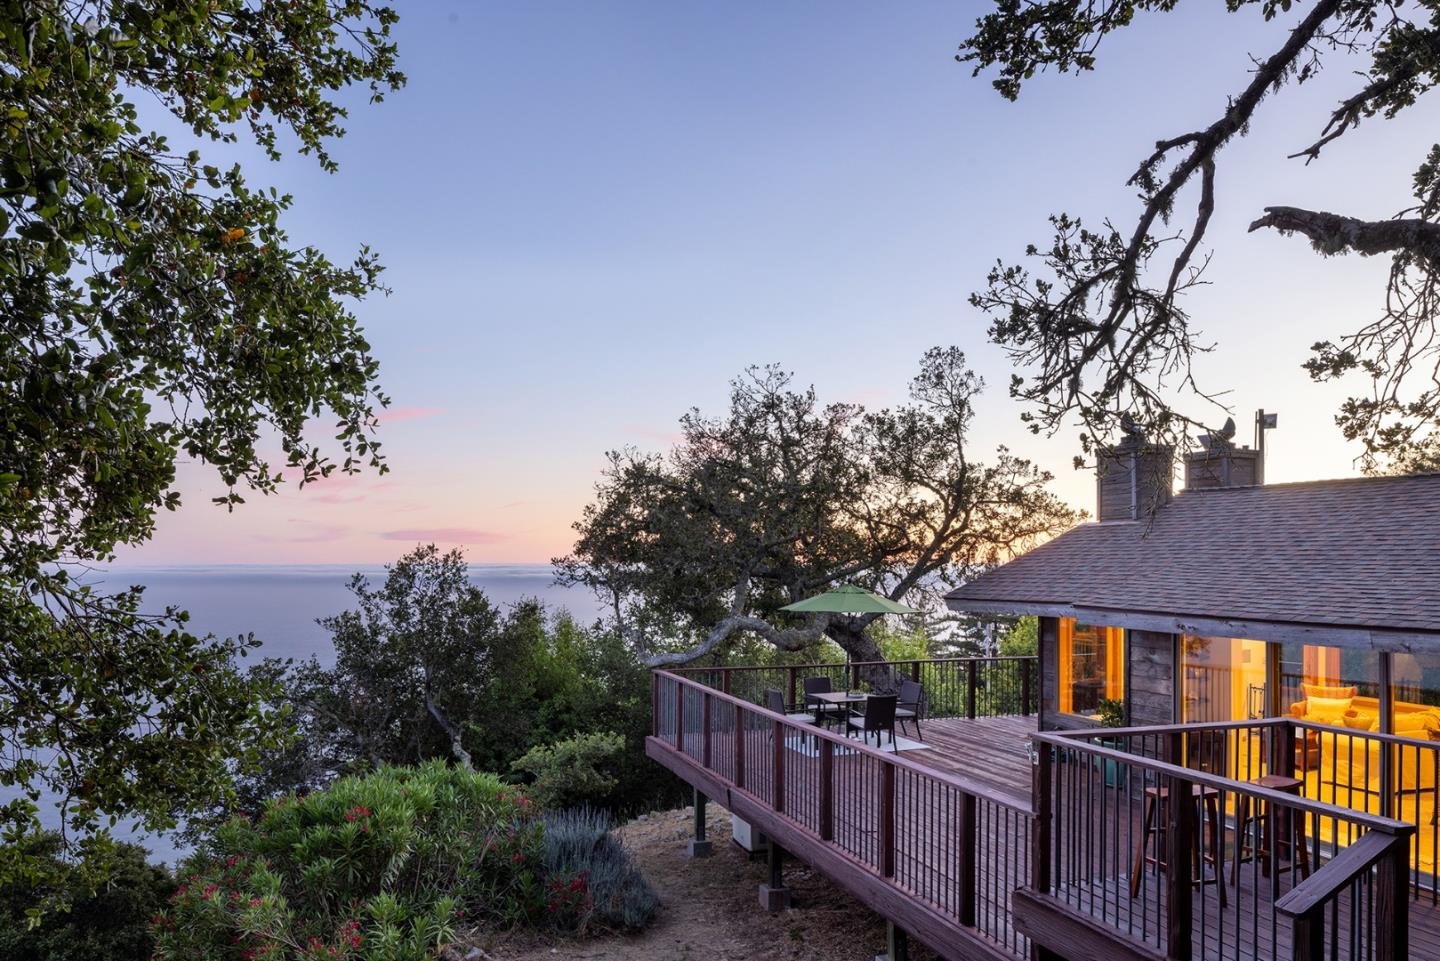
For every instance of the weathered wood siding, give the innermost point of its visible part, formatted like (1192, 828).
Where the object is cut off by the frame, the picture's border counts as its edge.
(1152, 679)
(1049, 682)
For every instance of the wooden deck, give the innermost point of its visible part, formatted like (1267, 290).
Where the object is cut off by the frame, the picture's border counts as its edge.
(990, 750)
(923, 889)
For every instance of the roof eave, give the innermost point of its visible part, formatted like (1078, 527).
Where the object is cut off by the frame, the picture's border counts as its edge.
(1373, 637)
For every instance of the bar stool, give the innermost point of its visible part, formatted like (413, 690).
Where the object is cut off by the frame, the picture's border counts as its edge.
(1269, 842)
(1207, 805)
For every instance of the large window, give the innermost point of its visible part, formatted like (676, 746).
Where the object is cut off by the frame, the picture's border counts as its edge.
(1330, 685)
(1091, 666)
(1224, 678)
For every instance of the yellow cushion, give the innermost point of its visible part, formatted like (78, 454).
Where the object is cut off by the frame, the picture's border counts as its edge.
(1426, 719)
(1332, 691)
(1327, 710)
(1418, 733)
(1359, 722)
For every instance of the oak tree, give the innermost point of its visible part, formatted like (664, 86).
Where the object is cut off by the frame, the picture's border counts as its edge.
(152, 307)
(783, 497)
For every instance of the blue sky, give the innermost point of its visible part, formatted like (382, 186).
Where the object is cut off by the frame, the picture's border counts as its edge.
(594, 214)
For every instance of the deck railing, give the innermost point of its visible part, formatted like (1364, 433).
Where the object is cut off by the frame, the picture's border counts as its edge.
(945, 851)
(954, 686)
(1235, 869)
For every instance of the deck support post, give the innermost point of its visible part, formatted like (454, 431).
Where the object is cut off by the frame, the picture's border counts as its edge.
(699, 846)
(775, 896)
(897, 944)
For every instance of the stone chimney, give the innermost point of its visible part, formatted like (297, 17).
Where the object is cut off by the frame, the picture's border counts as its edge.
(1132, 479)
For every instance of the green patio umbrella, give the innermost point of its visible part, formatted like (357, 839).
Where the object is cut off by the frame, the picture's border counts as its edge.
(849, 599)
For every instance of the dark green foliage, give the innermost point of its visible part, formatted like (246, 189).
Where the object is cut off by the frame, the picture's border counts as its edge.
(109, 920)
(426, 667)
(154, 308)
(381, 867)
(591, 881)
(574, 771)
(1023, 638)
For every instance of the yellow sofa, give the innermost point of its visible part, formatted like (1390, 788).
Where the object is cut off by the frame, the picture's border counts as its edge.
(1350, 756)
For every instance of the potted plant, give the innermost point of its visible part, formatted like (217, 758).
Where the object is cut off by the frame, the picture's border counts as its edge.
(1111, 713)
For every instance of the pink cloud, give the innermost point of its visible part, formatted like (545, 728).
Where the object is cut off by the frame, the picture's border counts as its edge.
(308, 533)
(448, 535)
(408, 413)
(337, 499)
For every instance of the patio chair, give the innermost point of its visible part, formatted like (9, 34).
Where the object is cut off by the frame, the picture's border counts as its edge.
(879, 717)
(825, 714)
(775, 701)
(911, 705)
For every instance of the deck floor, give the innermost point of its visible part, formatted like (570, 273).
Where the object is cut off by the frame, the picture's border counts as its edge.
(990, 750)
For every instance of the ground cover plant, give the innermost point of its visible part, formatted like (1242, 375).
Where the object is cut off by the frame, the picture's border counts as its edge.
(591, 881)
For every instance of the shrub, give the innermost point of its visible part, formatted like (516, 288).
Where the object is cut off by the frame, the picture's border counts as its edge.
(110, 920)
(379, 867)
(579, 770)
(590, 880)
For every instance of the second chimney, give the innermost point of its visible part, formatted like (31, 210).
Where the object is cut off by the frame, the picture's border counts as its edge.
(1132, 479)
(1222, 466)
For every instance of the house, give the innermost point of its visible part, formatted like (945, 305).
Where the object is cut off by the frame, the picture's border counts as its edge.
(1228, 601)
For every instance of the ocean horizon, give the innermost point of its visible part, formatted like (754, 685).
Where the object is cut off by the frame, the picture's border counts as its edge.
(281, 603)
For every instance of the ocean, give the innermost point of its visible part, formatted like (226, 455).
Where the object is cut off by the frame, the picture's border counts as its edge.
(280, 603)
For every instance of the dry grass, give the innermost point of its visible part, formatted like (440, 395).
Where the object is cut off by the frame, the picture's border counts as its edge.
(710, 909)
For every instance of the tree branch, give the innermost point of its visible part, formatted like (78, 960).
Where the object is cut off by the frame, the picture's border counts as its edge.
(1336, 234)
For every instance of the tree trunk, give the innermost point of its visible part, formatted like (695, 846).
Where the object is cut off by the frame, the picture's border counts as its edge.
(850, 635)
(451, 731)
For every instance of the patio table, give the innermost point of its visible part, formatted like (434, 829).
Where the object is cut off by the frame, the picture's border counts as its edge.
(838, 703)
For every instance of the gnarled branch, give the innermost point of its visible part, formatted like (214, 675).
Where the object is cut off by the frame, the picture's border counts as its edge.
(1337, 234)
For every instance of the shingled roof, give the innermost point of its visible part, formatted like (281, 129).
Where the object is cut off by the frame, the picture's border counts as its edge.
(1361, 553)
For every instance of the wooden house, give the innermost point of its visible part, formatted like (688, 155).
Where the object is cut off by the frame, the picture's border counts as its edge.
(1231, 601)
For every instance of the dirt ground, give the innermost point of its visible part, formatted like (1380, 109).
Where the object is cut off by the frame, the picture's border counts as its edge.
(710, 909)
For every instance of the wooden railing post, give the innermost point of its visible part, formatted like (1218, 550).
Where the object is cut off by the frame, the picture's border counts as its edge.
(1392, 904)
(1025, 688)
(1307, 936)
(725, 679)
(705, 729)
(827, 789)
(739, 751)
(1180, 835)
(1044, 810)
(777, 793)
(973, 683)
(915, 671)
(968, 861)
(790, 702)
(887, 820)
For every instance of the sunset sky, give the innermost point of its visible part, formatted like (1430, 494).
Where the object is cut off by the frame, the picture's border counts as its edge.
(594, 214)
